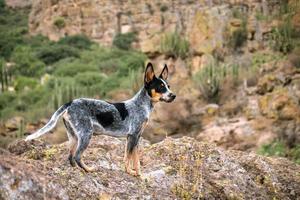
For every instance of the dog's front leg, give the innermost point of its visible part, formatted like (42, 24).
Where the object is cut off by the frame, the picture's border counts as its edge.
(132, 155)
(127, 160)
(136, 161)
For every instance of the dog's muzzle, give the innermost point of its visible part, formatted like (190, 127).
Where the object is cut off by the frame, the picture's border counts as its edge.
(169, 98)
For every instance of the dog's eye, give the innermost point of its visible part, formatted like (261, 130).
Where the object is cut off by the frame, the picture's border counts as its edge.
(169, 86)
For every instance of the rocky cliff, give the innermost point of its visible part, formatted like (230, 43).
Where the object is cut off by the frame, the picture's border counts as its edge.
(202, 22)
(172, 169)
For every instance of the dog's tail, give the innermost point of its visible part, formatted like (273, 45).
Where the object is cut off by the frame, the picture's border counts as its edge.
(51, 124)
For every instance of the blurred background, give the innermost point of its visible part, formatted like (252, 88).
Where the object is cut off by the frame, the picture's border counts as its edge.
(234, 65)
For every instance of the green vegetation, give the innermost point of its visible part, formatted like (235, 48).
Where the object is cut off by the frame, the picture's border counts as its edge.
(13, 26)
(173, 44)
(213, 77)
(76, 41)
(42, 74)
(59, 22)
(124, 41)
(281, 37)
(209, 79)
(238, 37)
(280, 149)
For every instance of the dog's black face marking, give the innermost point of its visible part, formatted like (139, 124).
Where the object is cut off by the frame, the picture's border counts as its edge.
(122, 110)
(157, 85)
(105, 118)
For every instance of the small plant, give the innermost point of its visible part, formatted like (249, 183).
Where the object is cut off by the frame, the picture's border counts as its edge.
(2, 5)
(276, 148)
(163, 8)
(281, 37)
(76, 41)
(238, 38)
(53, 53)
(124, 41)
(280, 148)
(174, 45)
(59, 22)
(209, 80)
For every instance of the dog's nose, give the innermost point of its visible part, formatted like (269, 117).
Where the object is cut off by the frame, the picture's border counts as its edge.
(173, 96)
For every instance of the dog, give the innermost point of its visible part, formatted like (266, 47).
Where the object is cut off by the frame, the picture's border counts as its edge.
(83, 117)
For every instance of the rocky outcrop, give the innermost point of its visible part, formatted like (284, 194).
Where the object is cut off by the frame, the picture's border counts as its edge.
(203, 23)
(172, 169)
(18, 3)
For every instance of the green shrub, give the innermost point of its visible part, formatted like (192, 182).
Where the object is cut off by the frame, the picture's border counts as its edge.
(76, 41)
(54, 53)
(163, 8)
(124, 41)
(37, 41)
(59, 22)
(294, 153)
(89, 78)
(2, 5)
(6, 99)
(71, 69)
(281, 37)
(280, 149)
(276, 148)
(174, 45)
(26, 63)
(13, 26)
(23, 82)
(209, 80)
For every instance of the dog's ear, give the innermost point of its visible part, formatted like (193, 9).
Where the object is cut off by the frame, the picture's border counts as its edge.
(149, 73)
(164, 73)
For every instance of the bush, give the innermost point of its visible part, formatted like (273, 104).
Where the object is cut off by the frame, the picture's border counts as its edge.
(89, 78)
(174, 45)
(276, 148)
(73, 68)
(2, 5)
(209, 80)
(76, 41)
(13, 26)
(124, 41)
(6, 99)
(23, 82)
(26, 63)
(37, 41)
(54, 53)
(59, 22)
(281, 37)
(213, 77)
(279, 148)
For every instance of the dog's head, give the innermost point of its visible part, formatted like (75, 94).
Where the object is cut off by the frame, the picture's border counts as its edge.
(157, 87)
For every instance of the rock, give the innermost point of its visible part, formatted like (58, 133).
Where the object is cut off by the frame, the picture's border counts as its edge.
(266, 84)
(173, 169)
(18, 3)
(13, 124)
(280, 105)
(236, 133)
(205, 33)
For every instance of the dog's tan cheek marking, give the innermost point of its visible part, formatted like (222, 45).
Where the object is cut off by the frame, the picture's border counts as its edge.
(155, 96)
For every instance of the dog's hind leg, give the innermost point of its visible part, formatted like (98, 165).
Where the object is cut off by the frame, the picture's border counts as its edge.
(73, 141)
(84, 133)
(81, 146)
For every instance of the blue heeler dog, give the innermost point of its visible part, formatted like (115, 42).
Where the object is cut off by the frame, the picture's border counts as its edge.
(84, 117)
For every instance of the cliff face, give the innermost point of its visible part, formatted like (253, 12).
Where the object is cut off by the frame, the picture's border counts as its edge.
(202, 22)
(174, 168)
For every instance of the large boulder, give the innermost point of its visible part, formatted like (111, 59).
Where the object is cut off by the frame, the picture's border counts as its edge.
(172, 169)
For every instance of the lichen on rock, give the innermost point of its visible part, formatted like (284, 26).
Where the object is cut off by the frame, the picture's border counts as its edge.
(172, 169)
